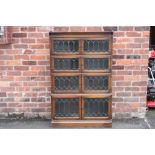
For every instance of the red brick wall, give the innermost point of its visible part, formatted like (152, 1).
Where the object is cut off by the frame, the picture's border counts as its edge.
(25, 71)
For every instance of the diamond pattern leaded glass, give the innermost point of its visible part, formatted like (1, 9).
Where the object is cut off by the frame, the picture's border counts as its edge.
(65, 107)
(66, 64)
(66, 83)
(96, 107)
(96, 45)
(96, 82)
(96, 63)
(66, 45)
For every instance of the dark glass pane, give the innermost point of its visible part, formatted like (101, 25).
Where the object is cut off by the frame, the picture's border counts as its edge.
(66, 45)
(96, 45)
(96, 82)
(96, 63)
(66, 83)
(96, 107)
(66, 64)
(67, 107)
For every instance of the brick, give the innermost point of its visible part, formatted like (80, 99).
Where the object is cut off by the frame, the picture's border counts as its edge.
(132, 78)
(145, 45)
(123, 40)
(119, 34)
(141, 40)
(2, 94)
(12, 105)
(20, 46)
(115, 99)
(140, 72)
(123, 94)
(21, 68)
(131, 99)
(42, 51)
(125, 51)
(118, 46)
(38, 99)
(5, 46)
(27, 40)
(139, 94)
(117, 78)
(133, 45)
(117, 67)
(25, 99)
(30, 105)
(133, 56)
(6, 68)
(128, 83)
(44, 29)
(1, 62)
(15, 84)
(29, 52)
(8, 110)
(38, 110)
(13, 62)
(117, 56)
(3, 104)
(109, 28)
(6, 57)
(133, 34)
(142, 28)
(146, 33)
(28, 29)
(36, 46)
(121, 72)
(44, 40)
(139, 83)
(30, 83)
(117, 89)
(29, 73)
(124, 62)
(38, 57)
(132, 89)
(19, 35)
(125, 28)
(29, 62)
(61, 29)
(93, 29)
(22, 57)
(77, 29)
(37, 68)
(30, 94)
(14, 73)
(44, 73)
(132, 68)
(35, 35)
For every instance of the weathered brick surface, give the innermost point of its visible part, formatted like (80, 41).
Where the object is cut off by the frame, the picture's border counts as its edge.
(25, 71)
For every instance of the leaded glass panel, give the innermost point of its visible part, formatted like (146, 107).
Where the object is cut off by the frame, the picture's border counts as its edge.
(66, 107)
(96, 107)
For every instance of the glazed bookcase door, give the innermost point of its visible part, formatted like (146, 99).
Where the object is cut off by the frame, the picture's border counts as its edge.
(96, 46)
(65, 46)
(62, 64)
(66, 83)
(66, 107)
(81, 79)
(96, 107)
(97, 63)
(96, 83)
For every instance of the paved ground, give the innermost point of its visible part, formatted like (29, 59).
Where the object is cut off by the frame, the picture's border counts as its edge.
(135, 123)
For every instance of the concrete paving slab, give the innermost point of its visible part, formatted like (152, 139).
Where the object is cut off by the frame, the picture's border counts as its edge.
(25, 124)
(133, 123)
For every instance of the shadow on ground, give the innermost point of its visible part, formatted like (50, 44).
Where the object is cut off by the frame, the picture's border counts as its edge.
(134, 123)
